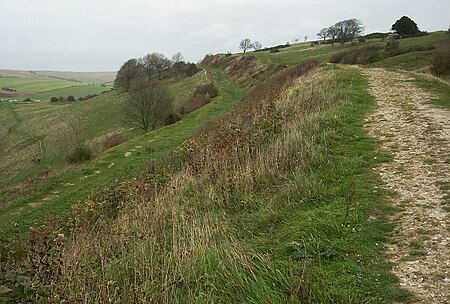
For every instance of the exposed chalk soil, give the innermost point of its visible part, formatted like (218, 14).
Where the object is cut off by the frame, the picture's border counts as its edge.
(417, 134)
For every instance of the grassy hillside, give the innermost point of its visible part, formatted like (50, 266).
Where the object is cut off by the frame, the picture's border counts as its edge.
(303, 52)
(36, 201)
(267, 205)
(76, 91)
(49, 130)
(265, 195)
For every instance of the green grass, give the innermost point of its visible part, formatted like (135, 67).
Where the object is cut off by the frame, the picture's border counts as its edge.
(34, 85)
(58, 127)
(435, 86)
(83, 177)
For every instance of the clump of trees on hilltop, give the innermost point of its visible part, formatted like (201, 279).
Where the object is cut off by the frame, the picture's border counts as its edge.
(342, 31)
(153, 66)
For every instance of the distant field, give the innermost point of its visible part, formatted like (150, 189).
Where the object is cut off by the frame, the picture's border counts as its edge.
(89, 77)
(44, 88)
(26, 86)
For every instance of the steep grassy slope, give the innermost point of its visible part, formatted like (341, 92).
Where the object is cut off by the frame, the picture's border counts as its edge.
(270, 206)
(48, 131)
(36, 201)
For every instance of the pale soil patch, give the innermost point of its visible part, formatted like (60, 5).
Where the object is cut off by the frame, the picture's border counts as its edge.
(418, 137)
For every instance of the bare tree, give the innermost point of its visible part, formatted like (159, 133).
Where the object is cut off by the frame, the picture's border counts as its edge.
(245, 44)
(257, 45)
(306, 38)
(148, 105)
(154, 64)
(178, 57)
(130, 70)
(355, 29)
(332, 33)
(348, 30)
(323, 33)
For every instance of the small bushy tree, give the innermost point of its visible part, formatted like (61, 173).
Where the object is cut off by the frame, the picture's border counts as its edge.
(405, 27)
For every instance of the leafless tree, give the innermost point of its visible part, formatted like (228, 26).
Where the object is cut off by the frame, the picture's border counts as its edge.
(148, 105)
(257, 45)
(178, 57)
(332, 33)
(245, 44)
(355, 29)
(130, 70)
(323, 33)
(306, 38)
(154, 64)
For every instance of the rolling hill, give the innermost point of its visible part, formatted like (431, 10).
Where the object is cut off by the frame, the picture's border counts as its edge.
(270, 193)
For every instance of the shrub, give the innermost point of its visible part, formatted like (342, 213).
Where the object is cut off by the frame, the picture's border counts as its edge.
(70, 98)
(357, 56)
(392, 48)
(80, 154)
(337, 57)
(61, 99)
(441, 64)
(54, 99)
(207, 89)
(192, 70)
(114, 140)
(26, 100)
(194, 103)
(172, 118)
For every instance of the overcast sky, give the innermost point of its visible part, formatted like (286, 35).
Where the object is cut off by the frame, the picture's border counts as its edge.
(99, 35)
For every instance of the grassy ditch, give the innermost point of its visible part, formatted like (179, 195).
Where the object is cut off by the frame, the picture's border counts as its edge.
(275, 203)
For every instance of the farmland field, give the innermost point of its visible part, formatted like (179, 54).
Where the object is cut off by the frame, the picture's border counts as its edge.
(43, 88)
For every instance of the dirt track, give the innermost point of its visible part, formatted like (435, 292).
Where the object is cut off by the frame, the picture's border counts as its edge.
(417, 134)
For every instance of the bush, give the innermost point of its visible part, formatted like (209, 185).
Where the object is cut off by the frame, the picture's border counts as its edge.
(27, 100)
(357, 56)
(441, 64)
(172, 118)
(79, 155)
(61, 99)
(208, 89)
(192, 70)
(114, 140)
(392, 48)
(54, 99)
(337, 57)
(70, 98)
